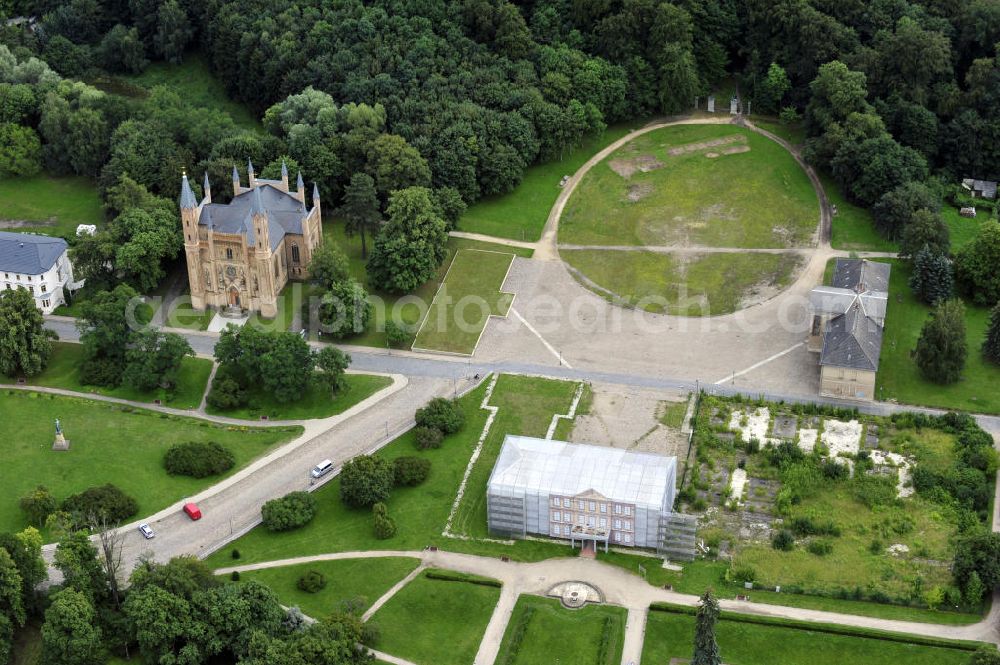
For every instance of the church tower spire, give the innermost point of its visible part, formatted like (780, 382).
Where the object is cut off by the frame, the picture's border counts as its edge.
(207, 187)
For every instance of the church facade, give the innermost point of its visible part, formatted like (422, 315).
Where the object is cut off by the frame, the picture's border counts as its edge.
(241, 255)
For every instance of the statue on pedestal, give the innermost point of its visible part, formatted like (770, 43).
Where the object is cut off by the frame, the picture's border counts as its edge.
(61, 442)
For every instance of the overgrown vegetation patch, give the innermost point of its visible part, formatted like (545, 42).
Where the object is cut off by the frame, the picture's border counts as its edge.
(882, 521)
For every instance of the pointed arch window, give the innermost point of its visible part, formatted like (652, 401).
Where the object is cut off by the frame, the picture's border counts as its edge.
(229, 252)
(295, 253)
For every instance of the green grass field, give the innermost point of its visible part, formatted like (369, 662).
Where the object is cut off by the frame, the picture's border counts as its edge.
(526, 406)
(109, 443)
(898, 375)
(315, 403)
(794, 132)
(963, 229)
(852, 228)
(683, 283)
(63, 371)
(521, 214)
(347, 580)
(197, 86)
(672, 187)
(469, 295)
(57, 204)
(670, 635)
(554, 634)
(408, 308)
(436, 622)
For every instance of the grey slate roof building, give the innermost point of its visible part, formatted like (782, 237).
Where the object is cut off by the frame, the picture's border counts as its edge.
(847, 327)
(241, 254)
(852, 340)
(29, 254)
(856, 304)
(986, 189)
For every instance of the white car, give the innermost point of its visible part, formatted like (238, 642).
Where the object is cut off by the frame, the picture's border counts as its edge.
(146, 531)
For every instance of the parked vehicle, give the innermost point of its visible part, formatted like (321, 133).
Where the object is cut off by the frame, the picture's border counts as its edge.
(192, 511)
(146, 531)
(321, 469)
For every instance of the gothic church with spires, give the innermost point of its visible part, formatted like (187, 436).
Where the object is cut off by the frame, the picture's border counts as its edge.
(241, 255)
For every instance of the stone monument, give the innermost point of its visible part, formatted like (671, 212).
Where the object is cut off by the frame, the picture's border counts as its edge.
(61, 442)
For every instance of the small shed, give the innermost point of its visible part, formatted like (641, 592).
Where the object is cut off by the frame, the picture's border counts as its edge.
(984, 189)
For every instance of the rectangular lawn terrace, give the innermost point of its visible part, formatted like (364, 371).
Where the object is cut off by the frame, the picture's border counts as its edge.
(670, 635)
(547, 631)
(469, 295)
(436, 622)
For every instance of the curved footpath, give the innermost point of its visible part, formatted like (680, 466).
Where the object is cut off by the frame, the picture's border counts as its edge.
(621, 588)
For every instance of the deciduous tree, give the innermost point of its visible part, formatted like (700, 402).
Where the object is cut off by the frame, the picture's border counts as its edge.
(942, 347)
(70, 634)
(411, 245)
(976, 265)
(25, 344)
(991, 341)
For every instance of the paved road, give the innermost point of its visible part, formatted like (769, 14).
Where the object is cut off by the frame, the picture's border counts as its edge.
(232, 507)
(459, 370)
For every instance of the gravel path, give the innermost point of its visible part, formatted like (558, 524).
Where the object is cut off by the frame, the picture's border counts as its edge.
(624, 589)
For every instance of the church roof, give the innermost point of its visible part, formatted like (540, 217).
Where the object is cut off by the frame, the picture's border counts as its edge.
(285, 214)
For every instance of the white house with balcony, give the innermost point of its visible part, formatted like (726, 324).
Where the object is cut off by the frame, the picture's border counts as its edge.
(39, 264)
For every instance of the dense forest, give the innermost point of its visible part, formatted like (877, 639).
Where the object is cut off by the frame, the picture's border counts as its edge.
(459, 98)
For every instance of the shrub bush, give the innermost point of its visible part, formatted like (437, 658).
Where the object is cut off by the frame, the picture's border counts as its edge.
(235, 576)
(289, 512)
(312, 582)
(409, 471)
(366, 480)
(394, 334)
(441, 414)
(383, 525)
(227, 390)
(428, 437)
(820, 547)
(198, 459)
(106, 502)
(236, 553)
(784, 540)
(38, 504)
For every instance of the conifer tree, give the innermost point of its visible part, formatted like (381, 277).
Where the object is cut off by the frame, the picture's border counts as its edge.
(991, 343)
(941, 348)
(706, 649)
(932, 279)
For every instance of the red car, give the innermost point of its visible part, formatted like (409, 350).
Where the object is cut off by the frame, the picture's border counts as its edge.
(192, 511)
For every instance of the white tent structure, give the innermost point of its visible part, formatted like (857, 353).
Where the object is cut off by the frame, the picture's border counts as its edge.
(581, 492)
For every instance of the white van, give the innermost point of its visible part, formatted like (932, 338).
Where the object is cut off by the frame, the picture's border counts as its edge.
(321, 469)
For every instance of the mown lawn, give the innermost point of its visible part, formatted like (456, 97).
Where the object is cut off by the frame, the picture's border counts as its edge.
(63, 371)
(57, 204)
(421, 512)
(683, 283)
(521, 214)
(794, 132)
(852, 227)
(109, 443)
(469, 295)
(898, 376)
(196, 85)
(408, 309)
(348, 580)
(748, 192)
(525, 406)
(554, 634)
(315, 403)
(963, 229)
(436, 622)
(671, 635)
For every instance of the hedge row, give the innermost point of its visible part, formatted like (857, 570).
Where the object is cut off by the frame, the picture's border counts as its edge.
(517, 636)
(606, 651)
(833, 629)
(452, 576)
